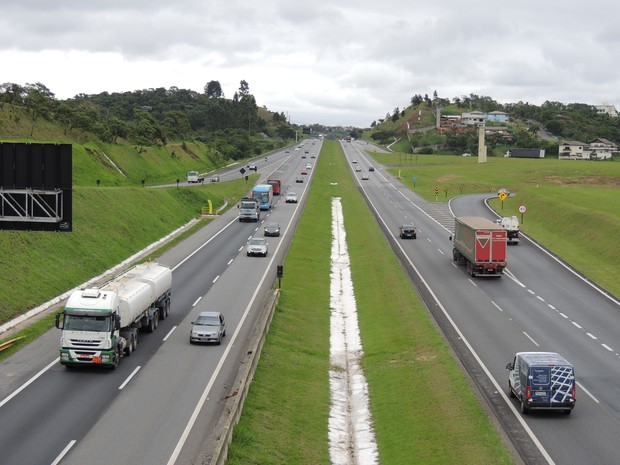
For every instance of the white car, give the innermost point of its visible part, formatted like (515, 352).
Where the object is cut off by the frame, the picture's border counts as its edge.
(257, 246)
(291, 197)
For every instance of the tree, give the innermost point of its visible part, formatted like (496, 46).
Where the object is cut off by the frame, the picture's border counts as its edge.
(213, 89)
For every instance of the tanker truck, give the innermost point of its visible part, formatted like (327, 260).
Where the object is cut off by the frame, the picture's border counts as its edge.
(100, 324)
(480, 245)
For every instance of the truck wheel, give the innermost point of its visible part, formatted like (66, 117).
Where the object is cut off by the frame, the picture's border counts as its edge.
(117, 356)
(129, 348)
(524, 409)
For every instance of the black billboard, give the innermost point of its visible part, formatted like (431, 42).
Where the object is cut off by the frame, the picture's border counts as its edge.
(35, 187)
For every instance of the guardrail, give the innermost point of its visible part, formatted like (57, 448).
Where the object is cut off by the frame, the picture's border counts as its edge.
(7, 344)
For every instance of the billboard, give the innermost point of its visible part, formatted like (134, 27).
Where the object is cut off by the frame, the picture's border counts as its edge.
(35, 187)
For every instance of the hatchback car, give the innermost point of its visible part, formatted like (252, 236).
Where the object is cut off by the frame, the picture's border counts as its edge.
(304, 172)
(299, 179)
(257, 246)
(371, 168)
(365, 177)
(272, 229)
(208, 327)
(407, 231)
(291, 197)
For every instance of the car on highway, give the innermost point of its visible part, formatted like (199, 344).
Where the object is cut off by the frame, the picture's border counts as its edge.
(215, 178)
(257, 246)
(358, 169)
(291, 197)
(407, 231)
(308, 166)
(503, 190)
(371, 168)
(272, 229)
(299, 179)
(365, 177)
(208, 327)
(354, 161)
(304, 172)
(252, 167)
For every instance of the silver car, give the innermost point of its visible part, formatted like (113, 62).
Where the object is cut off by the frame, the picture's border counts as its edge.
(257, 246)
(291, 197)
(208, 327)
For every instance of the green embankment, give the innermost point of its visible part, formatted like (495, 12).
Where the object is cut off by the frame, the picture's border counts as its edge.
(423, 408)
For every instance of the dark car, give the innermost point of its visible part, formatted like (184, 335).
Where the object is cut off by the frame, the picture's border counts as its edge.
(407, 231)
(298, 179)
(370, 168)
(272, 229)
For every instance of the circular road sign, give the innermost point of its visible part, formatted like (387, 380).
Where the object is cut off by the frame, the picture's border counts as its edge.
(522, 209)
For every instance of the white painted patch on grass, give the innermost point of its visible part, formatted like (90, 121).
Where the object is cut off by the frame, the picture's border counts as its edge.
(351, 435)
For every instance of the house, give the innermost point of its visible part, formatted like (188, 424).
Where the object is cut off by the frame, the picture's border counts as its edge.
(497, 117)
(474, 118)
(606, 109)
(574, 150)
(602, 148)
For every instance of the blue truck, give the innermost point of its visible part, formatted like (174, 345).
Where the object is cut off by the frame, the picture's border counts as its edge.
(264, 194)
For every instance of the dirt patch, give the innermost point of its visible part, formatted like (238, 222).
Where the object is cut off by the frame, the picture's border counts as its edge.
(447, 178)
(587, 180)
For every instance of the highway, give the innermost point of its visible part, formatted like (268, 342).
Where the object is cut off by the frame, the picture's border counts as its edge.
(156, 406)
(539, 305)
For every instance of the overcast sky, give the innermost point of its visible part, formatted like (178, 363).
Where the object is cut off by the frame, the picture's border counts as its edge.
(334, 62)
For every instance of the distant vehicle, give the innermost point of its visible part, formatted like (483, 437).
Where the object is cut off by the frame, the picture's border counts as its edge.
(208, 327)
(365, 177)
(252, 167)
(371, 168)
(272, 229)
(466, 154)
(481, 245)
(307, 151)
(303, 156)
(291, 197)
(354, 161)
(193, 176)
(308, 166)
(313, 156)
(276, 184)
(249, 210)
(298, 179)
(304, 172)
(257, 246)
(215, 178)
(511, 225)
(407, 231)
(504, 191)
(264, 194)
(358, 169)
(287, 151)
(542, 381)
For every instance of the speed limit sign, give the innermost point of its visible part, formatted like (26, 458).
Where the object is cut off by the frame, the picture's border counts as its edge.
(522, 209)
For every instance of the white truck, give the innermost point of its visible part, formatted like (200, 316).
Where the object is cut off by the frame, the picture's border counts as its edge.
(511, 225)
(249, 209)
(100, 325)
(194, 176)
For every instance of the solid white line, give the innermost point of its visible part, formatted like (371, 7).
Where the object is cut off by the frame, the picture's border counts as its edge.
(29, 382)
(129, 378)
(64, 452)
(531, 339)
(197, 300)
(169, 333)
(587, 392)
(497, 306)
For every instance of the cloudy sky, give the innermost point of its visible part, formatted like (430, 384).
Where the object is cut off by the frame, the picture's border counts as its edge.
(335, 62)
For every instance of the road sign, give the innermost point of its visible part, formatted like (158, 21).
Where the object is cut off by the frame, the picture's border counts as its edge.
(522, 208)
(436, 190)
(502, 196)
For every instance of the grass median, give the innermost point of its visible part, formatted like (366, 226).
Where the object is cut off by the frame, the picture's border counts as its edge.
(424, 409)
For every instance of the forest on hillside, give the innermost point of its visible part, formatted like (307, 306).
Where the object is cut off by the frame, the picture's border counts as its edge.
(236, 126)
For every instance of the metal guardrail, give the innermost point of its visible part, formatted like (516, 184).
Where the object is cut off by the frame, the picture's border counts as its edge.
(7, 344)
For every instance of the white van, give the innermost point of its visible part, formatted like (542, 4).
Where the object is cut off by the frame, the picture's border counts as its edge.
(542, 381)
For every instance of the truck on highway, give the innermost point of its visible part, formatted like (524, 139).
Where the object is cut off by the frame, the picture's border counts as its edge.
(511, 225)
(100, 324)
(194, 176)
(479, 244)
(264, 194)
(276, 184)
(249, 209)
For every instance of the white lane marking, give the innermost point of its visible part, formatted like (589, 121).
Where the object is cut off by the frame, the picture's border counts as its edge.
(576, 324)
(64, 452)
(197, 300)
(592, 336)
(540, 298)
(563, 315)
(497, 306)
(130, 377)
(216, 278)
(230, 261)
(531, 339)
(169, 333)
(29, 382)
(607, 347)
(581, 386)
